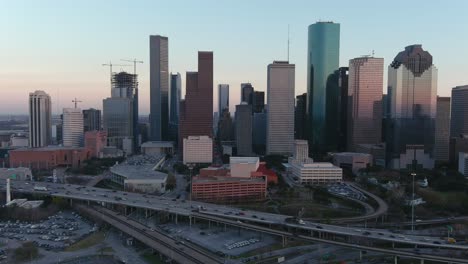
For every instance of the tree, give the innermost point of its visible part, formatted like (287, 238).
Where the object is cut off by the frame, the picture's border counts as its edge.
(26, 252)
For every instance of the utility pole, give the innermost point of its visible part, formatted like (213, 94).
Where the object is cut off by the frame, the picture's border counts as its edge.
(412, 204)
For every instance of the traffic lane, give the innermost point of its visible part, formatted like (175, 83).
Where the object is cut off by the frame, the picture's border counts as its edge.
(153, 204)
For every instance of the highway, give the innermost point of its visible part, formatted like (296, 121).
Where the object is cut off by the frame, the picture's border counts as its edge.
(184, 208)
(176, 250)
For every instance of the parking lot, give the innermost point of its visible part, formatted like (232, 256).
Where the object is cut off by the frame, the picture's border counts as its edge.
(55, 233)
(230, 241)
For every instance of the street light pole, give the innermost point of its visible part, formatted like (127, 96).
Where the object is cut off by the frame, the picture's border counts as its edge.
(412, 204)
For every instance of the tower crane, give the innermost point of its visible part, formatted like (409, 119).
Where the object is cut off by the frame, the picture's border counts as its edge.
(110, 68)
(135, 61)
(76, 101)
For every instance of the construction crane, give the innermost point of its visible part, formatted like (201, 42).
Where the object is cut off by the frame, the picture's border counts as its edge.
(76, 101)
(110, 68)
(135, 61)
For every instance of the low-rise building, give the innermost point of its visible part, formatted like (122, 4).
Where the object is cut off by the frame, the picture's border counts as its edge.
(139, 178)
(198, 149)
(48, 158)
(463, 163)
(376, 150)
(243, 166)
(95, 142)
(157, 147)
(21, 173)
(229, 188)
(306, 171)
(352, 160)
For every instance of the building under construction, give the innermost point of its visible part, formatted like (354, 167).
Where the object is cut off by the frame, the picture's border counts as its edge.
(120, 112)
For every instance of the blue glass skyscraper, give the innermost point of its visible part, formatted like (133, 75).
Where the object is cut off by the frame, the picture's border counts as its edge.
(323, 54)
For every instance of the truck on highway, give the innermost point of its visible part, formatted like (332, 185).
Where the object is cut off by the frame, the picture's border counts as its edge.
(451, 240)
(40, 188)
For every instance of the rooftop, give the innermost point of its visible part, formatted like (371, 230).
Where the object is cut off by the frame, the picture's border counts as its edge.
(138, 172)
(48, 148)
(226, 179)
(352, 154)
(156, 144)
(243, 160)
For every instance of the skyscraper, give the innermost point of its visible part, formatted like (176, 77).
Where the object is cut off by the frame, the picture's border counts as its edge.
(280, 108)
(175, 97)
(258, 101)
(247, 93)
(40, 119)
(322, 89)
(442, 129)
(91, 119)
(223, 97)
(365, 101)
(300, 116)
(459, 111)
(412, 95)
(259, 132)
(196, 111)
(73, 133)
(244, 129)
(159, 87)
(119, 112)
(343, 76)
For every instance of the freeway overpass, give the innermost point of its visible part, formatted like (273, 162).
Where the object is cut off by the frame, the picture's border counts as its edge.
(256, 220)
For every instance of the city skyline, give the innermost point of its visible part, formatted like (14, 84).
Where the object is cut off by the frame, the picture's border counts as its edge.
(62, 52)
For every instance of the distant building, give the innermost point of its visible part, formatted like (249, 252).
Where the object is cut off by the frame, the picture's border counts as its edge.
(459, 111)
(352, 161)
(463, 163)
(247, 91)
(174, 101)
(343, 85)
(457, 145)
(198, 149)
(95, 141)
(91, 119)
(223, 97)
(159, 87)
(72, 127)
(412, 92)
(196, 111)
(259, 133)
(305, 171)
(244, 129)
(225, 126)
(280, 109)
(300, 117)
(376, 150)
(40, 119)
(19, 140)
(365, 101)
(157, 148)
(258, 102)
(442, 129)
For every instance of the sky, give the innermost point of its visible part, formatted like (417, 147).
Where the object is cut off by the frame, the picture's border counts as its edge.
(60, 46)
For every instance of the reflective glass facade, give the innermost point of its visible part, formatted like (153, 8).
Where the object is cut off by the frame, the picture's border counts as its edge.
(322, 84)
(412, 97)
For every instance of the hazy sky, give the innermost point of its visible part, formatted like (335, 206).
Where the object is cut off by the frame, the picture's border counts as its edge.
(60, 46)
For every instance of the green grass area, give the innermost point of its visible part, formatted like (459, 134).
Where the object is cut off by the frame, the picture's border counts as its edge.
(89, 241)
(107, 184)
(270, 248)
(106, 250)
(151, 258)
(454, 202)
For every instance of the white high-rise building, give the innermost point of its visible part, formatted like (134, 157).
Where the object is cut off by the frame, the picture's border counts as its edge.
(223, 97)
(40, 119)
(280, 108)
(72, 127)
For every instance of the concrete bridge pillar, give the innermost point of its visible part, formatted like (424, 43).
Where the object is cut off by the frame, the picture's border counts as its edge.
(396, 259)
(176, 219)
(422, 261)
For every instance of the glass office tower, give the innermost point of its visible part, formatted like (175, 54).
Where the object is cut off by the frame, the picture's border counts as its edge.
(412, 95)
(323, 54)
